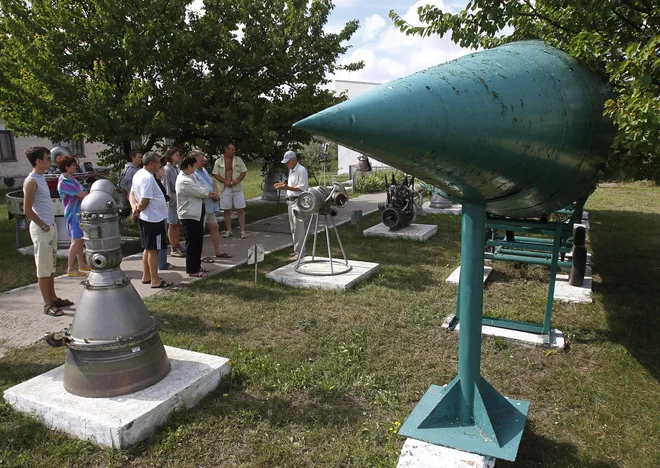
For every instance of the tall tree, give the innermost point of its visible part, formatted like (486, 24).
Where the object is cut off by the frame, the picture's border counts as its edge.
(620, 39)
(120, 72)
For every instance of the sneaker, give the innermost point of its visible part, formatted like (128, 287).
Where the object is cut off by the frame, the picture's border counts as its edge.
(227, 234)
(177, 253)
(293, 256)
(243, 235)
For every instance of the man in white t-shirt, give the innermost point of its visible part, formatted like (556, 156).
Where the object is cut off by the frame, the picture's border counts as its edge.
(151, 211)
(297, 183)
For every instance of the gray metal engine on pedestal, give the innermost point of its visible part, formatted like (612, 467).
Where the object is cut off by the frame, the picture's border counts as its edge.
(113, 345)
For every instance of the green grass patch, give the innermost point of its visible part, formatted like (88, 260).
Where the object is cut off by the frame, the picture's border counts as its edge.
(321, 378)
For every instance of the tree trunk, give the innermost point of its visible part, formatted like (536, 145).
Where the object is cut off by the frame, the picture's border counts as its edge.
(269, 193)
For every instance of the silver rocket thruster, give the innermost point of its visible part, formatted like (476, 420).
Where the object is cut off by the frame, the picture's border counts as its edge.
(113, 346)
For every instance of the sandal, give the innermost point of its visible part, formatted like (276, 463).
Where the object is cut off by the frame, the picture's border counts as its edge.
(53, 310)
(208, 260)
(227, 234)
(199, 274)
(203, 270)
(59, 302)
(146, 282)
(85, 269)
(163, 284)
(223, 255)
(76, 274)
(243, 235)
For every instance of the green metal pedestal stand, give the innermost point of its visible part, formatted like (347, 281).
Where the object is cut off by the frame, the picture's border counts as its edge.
(469, 414)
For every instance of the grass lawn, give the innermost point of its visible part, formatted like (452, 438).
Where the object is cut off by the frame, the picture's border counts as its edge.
(324, 378)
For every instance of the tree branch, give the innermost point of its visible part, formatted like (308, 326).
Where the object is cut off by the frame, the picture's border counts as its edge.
(543, 17)
(626, 20)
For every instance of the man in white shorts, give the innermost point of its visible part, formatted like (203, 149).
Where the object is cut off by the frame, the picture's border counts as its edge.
(230, 170)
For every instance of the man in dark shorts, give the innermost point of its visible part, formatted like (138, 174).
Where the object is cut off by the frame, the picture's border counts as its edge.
(151, 211)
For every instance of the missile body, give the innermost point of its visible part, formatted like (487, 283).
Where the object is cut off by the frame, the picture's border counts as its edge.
(519, 127)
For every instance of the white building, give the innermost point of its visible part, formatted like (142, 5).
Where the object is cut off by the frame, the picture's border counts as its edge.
(14, 166)
(348, 157)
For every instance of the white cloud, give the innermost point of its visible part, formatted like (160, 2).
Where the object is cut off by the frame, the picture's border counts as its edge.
(372, 26)
(390, 54)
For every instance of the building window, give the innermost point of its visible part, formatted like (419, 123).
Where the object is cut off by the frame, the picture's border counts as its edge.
(7, 150)
(77, 147)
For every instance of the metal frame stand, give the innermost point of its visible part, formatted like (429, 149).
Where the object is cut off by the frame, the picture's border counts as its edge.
(344, 269)
(468, 413)
(548, 251)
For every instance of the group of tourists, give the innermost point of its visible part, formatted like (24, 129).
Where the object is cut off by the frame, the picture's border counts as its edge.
(187, 195)
(164, 193)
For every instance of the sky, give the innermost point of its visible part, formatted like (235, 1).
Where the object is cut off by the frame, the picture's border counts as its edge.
(388, 53)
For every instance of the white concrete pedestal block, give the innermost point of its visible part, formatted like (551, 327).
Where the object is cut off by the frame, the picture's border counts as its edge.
(419, 232)
(360, 271)
(573, 294)
(124, 420)
(454, 209)
(418, 454)
(456, 275)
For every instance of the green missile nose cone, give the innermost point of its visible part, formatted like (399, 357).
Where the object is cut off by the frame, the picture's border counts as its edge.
(519, 127)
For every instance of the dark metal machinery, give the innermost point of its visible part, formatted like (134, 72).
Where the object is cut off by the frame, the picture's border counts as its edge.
(113, 346)
(404, 204)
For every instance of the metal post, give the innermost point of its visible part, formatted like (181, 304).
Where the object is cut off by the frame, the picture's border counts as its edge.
(553, 277)
(256, 256)
(468, 413)
(339, 240)
(316, 231)
(470, 297)
(305, 240)
(327, 236)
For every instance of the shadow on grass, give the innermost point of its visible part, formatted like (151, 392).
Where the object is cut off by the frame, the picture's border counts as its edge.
(219, 286)
(625, 258)
(14, 373)
(538, 451)
(187, 324)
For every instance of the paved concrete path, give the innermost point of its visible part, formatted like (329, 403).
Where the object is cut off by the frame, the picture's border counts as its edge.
(21, 319)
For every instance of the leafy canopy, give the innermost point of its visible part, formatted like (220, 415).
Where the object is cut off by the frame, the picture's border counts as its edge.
(620, 39)
(135, 73)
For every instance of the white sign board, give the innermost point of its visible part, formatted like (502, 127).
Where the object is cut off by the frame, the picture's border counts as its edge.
(255, 252)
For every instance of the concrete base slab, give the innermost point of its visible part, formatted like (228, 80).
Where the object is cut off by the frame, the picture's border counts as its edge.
(360, 271)
(455, 209)
(419, 454)
(419, 232)
(124, 420)
(555, 340)
(573, 294)
(456, 274)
